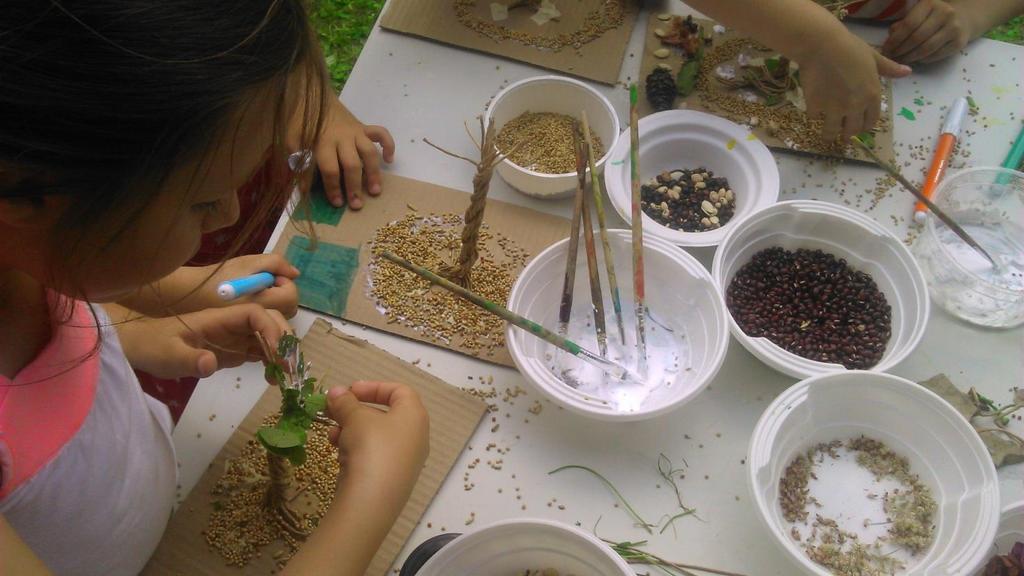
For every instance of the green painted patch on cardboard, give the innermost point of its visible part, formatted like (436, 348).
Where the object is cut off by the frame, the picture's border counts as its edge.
(319, 211)
(327, 274)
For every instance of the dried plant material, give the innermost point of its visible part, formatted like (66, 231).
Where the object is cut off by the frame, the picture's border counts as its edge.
(440, 316)
(609, 14)
(909, 509)
(683, 33)
(989, 419)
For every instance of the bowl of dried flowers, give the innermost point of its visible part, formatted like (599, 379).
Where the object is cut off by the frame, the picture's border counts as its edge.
(860, 472)
(700, 174)
(814, 287)
(536, 118)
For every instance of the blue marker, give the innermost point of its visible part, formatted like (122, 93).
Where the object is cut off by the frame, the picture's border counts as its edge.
(244, 286)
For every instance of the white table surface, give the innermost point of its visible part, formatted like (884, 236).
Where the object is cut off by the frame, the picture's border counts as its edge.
(422, 89)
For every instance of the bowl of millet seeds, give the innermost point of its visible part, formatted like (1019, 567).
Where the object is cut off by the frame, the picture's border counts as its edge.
(814, 287)
(536, 119)
(523, 546)
(867, 474)
(700, 173)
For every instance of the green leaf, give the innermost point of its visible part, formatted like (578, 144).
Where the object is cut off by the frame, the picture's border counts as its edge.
(274, 374)
(308, 386)
(972, 104)
(771, 63)
(279, 438)
(315, 403)
(296, 455)
(686, 79)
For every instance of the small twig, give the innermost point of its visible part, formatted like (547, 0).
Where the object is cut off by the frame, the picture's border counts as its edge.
(452, 154)
(632, 554)
(472, 138)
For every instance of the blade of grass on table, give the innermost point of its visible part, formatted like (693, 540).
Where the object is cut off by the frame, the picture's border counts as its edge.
(593, 272)
(614, 368)
(569, 284)
(638, 231)
(939, 213)
(609, 260)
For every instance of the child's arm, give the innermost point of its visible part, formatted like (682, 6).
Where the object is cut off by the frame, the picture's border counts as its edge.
(839, 72)
(381, 456)
(937, 29)
(15, 556)
(196, 344)
(348, 148)
(194, 288)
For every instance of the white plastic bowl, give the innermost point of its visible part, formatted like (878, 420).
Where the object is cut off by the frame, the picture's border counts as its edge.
(560, 95)
(845, 233)
(941, 446)
(680, 294)
(676, 139)
(1010, 531)
(510, 547)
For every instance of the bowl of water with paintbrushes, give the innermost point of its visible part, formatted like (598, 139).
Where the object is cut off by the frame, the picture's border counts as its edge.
(686, 328)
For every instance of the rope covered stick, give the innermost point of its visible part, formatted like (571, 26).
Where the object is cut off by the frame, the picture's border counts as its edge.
(638, 231)
(459, 271)
(613, 368)
(593, 272)
(609, 259)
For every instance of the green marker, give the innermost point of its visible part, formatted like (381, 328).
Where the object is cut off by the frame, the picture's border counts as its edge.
(1013, 158)
(615, 369)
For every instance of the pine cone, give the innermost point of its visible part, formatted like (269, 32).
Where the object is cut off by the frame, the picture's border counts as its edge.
(661, 89)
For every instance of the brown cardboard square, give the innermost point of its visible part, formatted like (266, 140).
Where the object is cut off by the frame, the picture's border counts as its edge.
(883, 138)
(337, 358)
(598, 60)
(531, 230)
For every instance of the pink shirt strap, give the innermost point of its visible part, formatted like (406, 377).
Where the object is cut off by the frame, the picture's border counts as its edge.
(45, 404)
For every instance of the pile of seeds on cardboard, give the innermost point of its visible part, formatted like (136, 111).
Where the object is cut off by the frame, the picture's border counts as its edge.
(909, 509)
(608, 15)
(813, 305)
(689, 200)
(439, 315)
(543, 142)
(241, 524)
(787, 123)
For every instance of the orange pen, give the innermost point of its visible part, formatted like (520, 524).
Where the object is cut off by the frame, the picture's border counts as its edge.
(947, 139)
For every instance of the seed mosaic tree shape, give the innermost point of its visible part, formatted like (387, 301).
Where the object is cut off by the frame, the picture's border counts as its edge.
(301, 403)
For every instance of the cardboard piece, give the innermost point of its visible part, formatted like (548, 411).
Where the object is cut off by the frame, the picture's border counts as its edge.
(337, 358)
(599, 59)
(883, 138)
(533, 231)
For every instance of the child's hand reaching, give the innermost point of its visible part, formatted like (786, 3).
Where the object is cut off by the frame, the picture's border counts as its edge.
(932, 30)
(841, 84)
(197, 344)
(348, 148)
(384, 449)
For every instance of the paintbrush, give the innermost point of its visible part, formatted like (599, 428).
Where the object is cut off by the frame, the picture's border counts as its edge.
(609, 260)
(638, 231)
(593, 272)
(613, 368)
(569, 284)
(895, 173)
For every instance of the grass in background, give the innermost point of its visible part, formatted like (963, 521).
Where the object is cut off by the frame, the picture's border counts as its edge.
(343, 26)
(1012, 31)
